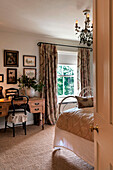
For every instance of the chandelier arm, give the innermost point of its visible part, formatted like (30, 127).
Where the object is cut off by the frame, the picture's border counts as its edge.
(86, 35)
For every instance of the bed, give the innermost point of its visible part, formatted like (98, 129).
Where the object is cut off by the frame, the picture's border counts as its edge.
(73, 132)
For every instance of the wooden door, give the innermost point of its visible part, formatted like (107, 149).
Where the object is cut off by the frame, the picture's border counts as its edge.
(103, 86)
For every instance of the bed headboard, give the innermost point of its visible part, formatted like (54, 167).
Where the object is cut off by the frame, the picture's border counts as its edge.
(85, 92)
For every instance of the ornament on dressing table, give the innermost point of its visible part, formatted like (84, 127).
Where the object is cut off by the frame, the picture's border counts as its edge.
(1, 94)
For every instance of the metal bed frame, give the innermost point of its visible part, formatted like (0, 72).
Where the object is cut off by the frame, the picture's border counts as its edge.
(81, 147)
(85, 92)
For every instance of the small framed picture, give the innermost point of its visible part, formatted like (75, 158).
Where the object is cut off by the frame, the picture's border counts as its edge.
(30, 72)
(11, 76)
(11, 58)
(29, 61)
(1, 78)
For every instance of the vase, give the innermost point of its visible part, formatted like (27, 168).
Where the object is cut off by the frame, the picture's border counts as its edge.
(30, 92)
(22, 92)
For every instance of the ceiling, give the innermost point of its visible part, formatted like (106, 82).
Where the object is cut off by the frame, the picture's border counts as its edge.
(52, 18)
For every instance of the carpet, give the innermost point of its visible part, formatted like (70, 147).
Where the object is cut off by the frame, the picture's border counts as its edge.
(35, 151)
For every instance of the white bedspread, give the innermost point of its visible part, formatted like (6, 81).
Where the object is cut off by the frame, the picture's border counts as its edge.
(80, 146)
(78, 122)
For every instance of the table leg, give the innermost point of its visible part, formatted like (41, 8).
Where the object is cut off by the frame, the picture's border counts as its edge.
(43, 120)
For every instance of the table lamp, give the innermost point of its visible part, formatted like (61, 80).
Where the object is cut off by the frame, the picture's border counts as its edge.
(1, 95)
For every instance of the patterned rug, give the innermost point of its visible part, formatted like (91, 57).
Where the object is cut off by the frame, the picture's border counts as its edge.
(35, 151)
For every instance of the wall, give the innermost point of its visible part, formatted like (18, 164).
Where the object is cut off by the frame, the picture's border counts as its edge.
(26, 44)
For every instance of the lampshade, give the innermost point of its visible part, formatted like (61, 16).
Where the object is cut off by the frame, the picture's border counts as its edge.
(1, 77)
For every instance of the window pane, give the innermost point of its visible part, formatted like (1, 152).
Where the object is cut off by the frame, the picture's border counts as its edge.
(68, 85)
(60, 85)
(59, 70)
(68, 70)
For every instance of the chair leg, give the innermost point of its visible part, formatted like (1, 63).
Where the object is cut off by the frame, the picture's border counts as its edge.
(5, 125)
(25, 127)
(13, 130)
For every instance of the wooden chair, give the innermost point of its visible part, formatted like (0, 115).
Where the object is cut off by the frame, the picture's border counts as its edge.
(11, 92)
(17, 114)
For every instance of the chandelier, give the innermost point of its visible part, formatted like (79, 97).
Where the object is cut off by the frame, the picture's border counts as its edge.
(86, 34)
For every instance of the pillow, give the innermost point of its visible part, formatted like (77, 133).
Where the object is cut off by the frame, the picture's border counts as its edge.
(84, 101)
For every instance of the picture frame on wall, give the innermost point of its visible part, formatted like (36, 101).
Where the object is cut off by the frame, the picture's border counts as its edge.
(30, 72)
(29, 61)
(11, 58)
(11, 76)
(1, 78)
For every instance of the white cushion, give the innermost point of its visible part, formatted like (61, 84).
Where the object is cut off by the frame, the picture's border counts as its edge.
(20, 117)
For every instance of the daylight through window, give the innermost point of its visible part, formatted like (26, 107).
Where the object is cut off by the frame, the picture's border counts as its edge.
(67, 80)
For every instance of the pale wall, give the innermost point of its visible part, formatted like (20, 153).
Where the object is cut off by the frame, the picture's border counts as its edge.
(26, 44)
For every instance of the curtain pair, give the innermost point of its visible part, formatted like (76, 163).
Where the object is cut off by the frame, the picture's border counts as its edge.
(48, 76)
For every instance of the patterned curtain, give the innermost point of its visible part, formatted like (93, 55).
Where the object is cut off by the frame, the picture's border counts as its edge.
(48, 75)
(83, 69)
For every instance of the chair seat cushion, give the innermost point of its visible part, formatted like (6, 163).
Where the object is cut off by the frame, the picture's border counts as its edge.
(18, 118)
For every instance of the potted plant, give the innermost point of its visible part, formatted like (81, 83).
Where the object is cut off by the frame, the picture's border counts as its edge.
(30, 84)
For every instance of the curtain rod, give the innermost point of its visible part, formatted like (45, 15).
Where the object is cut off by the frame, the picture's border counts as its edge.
(39, 44)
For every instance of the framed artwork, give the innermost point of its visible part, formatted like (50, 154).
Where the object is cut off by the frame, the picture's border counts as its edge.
(1, 78)
(29, 61)
(11, 58)
(11, 76)
(30, 72)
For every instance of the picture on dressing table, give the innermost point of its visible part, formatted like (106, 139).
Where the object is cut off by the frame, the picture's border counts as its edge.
(11, 58)
(11, 76)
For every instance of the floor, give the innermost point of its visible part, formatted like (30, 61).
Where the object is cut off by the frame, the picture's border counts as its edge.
(35, 151)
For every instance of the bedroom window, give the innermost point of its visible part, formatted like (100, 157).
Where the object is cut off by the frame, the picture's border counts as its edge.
(66, 80)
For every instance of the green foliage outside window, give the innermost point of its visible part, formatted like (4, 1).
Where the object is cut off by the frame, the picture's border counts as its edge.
(68, 70)
(59, 71)
(68, 85)
(60, 85)
(65, 80)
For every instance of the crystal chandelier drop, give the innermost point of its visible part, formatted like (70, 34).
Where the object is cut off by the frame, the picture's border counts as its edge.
(86, 34)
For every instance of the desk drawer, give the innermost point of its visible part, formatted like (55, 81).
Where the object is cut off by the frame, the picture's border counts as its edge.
(36, 109)
(3, 112)
(3, 107)
(36, 103)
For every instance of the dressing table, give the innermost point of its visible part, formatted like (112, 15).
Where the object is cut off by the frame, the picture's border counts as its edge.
(36, 105)
(4, 107)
